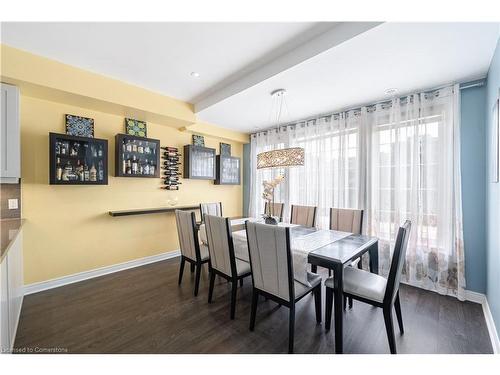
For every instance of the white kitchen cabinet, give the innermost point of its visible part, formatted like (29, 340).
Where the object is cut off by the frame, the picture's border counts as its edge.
(11, 290)
(10, 135)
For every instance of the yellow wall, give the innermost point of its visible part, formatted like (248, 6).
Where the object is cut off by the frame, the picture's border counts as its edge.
(68, 228)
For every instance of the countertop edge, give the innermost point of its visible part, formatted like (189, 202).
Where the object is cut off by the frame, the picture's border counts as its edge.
(13, 239)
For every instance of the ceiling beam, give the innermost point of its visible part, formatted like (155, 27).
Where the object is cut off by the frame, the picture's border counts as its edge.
(320, 39)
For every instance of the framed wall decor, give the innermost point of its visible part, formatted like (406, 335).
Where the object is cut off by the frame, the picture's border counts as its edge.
(198, 140)
(135, 127)
(79, 126)
(225, 149)
(495, 141)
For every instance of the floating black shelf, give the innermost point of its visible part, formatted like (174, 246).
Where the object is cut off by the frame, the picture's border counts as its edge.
(158, 210)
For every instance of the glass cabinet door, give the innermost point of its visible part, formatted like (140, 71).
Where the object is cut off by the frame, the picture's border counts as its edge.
(78, 160)
(136, 156)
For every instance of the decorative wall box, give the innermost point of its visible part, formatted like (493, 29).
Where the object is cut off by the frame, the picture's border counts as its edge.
(199, 162)
(136, 156)
(228, 170)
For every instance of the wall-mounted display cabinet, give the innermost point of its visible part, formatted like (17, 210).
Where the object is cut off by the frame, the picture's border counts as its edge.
(77, 160)
(136, 156)
(199, 162)
(228, 170)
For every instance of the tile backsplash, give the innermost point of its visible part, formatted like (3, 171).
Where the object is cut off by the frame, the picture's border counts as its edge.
(10, 191)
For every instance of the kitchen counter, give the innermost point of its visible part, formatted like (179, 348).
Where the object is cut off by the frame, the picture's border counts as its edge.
(8, 233)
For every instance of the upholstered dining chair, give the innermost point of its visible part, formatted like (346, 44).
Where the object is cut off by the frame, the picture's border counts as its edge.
(347, 220)
(272, 273)
(210, 209)
(276, 209)
(191, 250)
(222, 260)
(303, 215)
(375, 290)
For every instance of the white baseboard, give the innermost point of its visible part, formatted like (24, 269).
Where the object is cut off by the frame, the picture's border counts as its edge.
(490, 323)
(70, 279)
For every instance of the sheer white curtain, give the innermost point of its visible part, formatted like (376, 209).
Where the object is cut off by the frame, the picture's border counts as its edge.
(397, 160)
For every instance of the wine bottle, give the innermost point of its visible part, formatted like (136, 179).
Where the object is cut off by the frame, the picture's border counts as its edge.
(135, 167)
(93, 173)
(59, 169)
(86, 173)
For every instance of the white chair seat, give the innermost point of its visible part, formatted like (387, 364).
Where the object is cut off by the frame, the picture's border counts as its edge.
(204, 251)
(242, 267)
(362, 284)
(301, 289)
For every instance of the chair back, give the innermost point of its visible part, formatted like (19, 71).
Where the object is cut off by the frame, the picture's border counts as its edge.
(270, 259)
(186, 230)
(220, 244)
(303, 215)
(276, 209)
(346, 220)
(398, 259)
(214, 209)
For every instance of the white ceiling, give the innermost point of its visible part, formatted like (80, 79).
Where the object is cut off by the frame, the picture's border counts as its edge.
(323, 66)
(406, 56)
(156, 56)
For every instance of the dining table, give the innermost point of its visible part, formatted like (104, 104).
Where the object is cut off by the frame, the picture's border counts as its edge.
(330, 249)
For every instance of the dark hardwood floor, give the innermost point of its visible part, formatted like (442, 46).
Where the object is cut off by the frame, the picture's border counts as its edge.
(143, 310)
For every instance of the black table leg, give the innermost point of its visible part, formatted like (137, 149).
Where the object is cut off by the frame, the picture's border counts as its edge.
(374, 258)
(338, 272)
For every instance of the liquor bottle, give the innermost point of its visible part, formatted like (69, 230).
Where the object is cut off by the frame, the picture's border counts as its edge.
(68, 170)
(79, 171)
(134, 147)
(64, 148)
(152, 168)
(59, 170)
(128, 146)
(146, 167)
(140, 167)
(58, 147)
(124, 164)
(128, 168)
(99, 151)
(147, 149)
(86, 172)
(93, 173)
(140, 148)
(100, 173)
(134, 165)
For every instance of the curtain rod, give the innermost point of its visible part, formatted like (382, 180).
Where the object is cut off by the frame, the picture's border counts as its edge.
(462, 86)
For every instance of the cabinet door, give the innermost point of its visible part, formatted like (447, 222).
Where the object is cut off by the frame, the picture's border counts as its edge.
(15, 284)
(10, 158)
(4, 309)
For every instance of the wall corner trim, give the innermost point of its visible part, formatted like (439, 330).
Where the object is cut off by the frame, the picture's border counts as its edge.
(86, 275)
(490, 323)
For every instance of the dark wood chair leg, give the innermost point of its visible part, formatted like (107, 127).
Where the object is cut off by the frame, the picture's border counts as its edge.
(397, 307)
(241, 281)
(389, 327)
(314, 268)
(317, 303)
(328, 308)
(197, 279)
(253, 313)
(291, 329)
(181, 269)
(234, 288)
(211, 287)
(193, 266)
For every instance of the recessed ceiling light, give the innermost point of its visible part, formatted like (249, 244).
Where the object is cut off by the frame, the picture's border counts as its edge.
(392, 91)
(195, 74)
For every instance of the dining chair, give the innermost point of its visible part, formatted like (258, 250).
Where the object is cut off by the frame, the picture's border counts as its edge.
(222, 260)
(272, 273)
(375, 290)
(191, 250)
(276, 209)
(347, 220)
(303, 215)
(210, 209)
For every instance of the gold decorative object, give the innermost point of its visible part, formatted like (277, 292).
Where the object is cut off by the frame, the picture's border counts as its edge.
(285, 157)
